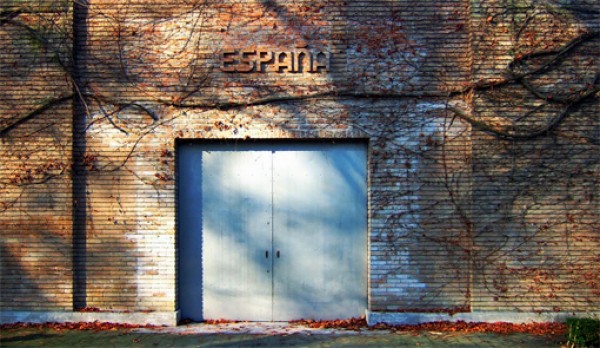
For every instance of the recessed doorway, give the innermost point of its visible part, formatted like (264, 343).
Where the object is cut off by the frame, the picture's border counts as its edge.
(272, 231)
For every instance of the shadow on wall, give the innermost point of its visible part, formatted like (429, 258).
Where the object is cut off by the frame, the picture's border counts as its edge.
(536, 235)
(36, 270)
(105, 257)
(535, 201)
(405, 54)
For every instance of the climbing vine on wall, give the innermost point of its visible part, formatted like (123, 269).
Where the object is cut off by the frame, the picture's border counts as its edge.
(534, 82)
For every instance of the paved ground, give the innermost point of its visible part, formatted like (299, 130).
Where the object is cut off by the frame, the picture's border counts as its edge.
(262, 335)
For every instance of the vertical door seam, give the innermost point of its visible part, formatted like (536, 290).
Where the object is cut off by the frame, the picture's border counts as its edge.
(272, 236)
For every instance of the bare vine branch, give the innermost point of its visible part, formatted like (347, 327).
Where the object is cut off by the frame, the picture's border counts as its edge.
(45, 107)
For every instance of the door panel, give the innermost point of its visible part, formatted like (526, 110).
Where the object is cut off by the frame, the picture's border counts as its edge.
(272, 231)
(237, 245)
(319, 217)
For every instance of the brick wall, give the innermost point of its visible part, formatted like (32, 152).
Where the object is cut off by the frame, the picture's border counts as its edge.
(463, 213)
(536, 199)
(35, 148)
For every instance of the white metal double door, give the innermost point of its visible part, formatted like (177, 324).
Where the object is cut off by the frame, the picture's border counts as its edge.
(284, 231)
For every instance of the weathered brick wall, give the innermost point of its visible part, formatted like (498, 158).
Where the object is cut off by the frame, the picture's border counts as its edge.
(35, 152)
(535, 198)
(170, 66)
(461, 216)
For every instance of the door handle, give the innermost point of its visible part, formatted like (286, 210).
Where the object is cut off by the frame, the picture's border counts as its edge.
(267, 254)
(278, 254)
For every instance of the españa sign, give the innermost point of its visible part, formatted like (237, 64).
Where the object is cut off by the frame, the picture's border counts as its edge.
(259, 60)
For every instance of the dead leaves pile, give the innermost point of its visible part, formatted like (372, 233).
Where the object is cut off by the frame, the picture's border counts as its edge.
(353, 324)
(502, 328)
(96, 326)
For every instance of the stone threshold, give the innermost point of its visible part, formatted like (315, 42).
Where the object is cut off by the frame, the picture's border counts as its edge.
(398, 318)
(132, 318)
(373, 318)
